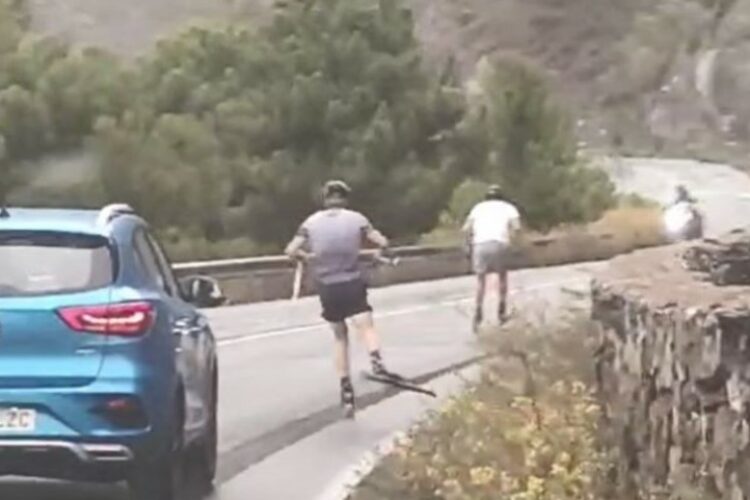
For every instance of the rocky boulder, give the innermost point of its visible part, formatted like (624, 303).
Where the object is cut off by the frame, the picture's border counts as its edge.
(724, 261)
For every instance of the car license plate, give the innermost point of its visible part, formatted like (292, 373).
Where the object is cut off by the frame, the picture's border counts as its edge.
(17, 420)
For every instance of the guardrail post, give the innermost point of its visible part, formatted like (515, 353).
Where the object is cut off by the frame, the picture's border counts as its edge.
(299, 270)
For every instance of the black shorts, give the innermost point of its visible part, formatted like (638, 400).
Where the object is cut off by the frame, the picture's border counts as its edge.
(343, 300)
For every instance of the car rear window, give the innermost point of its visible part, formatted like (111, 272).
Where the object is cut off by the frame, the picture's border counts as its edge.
(39, 263)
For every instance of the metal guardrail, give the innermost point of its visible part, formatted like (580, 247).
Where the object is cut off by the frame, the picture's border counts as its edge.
(276, 277)
(271, 262)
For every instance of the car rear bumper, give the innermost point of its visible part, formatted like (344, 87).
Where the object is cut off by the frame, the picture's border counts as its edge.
(65, 460)
(74, 440)
(83, 452)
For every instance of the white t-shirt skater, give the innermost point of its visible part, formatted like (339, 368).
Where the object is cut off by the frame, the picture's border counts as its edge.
(492, 221)
(678, 216)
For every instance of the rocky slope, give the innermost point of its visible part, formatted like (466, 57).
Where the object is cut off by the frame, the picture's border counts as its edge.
(664, 77)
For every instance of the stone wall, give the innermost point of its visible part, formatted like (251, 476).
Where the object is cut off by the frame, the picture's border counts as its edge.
(674, 373)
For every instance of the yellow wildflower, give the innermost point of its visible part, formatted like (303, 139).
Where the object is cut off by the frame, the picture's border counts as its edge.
(451, 486)
(579, 387)
(482, 476)
(535, 486)
(564, 459)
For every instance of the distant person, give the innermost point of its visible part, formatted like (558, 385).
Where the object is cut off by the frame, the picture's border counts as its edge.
(334, 236)
(682, 195)
(489, 229)
(682, 219)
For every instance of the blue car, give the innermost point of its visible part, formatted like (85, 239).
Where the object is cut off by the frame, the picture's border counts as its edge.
(107, 371)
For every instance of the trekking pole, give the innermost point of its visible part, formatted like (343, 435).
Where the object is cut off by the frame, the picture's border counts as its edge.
(297, 288)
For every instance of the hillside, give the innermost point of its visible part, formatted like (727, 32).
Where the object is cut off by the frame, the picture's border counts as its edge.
(663, 77)
(130, 28)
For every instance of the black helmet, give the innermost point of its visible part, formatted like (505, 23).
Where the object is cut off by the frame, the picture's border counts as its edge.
(494, 192)
(682, 193)
(336, 189)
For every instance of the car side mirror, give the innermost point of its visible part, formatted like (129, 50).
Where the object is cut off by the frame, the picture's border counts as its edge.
(202, 291)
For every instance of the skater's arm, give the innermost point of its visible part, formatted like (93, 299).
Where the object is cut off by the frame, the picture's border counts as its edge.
(514, 227)
(372, 235)
(376, 237)
(296, 248)
(468, 223)
(468, 231)
(514, 224)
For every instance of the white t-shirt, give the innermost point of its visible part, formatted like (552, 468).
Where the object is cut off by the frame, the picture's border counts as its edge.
(492, 220)
(678, 216)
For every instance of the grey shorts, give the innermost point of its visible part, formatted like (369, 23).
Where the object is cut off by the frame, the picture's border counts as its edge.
(490, 257)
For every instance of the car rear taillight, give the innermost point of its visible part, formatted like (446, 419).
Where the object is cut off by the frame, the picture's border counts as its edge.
(128, 319)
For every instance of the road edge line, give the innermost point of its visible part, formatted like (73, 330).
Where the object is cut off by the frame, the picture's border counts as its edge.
(341, 487)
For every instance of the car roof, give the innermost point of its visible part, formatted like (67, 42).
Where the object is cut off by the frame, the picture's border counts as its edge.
(82, 221)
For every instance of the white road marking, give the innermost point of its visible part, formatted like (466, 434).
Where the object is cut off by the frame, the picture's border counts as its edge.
(390, 314)
(341, 487)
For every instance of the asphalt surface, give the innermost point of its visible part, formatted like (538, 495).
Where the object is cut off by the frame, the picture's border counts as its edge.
(278, 387)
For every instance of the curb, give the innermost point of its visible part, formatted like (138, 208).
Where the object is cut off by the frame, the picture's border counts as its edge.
(341, 487)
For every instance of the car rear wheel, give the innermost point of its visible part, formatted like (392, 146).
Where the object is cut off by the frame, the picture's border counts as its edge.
(206, 454)
(162, 477)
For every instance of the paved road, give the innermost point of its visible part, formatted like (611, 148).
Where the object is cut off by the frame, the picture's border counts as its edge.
(278, 389)
(723, 192)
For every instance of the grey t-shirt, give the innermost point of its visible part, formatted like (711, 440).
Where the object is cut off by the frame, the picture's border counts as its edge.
(334, 236)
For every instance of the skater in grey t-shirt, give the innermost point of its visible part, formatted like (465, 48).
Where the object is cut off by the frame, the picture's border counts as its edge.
(334, 237)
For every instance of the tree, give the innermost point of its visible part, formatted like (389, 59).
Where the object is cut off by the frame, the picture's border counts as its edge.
(78, 89)
(341, 92)
(5, 173)
(331, 88)
(50, 96)
(170, 173)
(24, 123)
(516, 135)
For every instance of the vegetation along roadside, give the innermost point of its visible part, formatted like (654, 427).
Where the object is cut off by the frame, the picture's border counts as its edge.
(529, 428)
(219, 130)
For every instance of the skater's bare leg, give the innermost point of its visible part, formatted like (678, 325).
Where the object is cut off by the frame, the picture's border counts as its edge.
(479, 301)
(341, 350)
(365, 325)
(502, 285)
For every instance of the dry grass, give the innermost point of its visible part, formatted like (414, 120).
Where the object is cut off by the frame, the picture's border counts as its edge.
(633, 226)
(620, 230)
